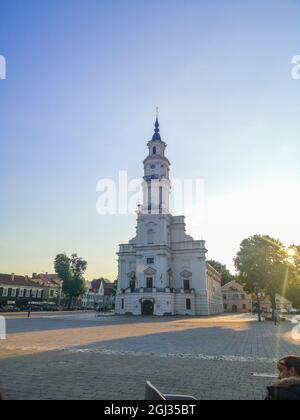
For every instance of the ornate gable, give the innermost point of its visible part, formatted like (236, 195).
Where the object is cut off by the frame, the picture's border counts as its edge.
(186, 274)
(150, 271)
(151, 224)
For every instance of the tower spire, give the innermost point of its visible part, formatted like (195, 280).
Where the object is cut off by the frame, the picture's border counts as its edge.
(156, 136)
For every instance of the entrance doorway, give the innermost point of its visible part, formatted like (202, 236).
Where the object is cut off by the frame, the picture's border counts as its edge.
(234, 309)
(147, 307)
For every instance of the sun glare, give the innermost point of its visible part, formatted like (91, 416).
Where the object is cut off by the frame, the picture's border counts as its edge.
(291, 252)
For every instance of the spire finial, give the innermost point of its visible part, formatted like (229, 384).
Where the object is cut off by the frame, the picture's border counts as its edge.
(156, 136)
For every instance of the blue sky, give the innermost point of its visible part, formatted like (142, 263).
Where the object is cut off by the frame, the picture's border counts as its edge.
(78, 105)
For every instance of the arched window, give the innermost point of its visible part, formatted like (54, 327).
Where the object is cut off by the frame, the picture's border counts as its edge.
(154, 150)
(150, 236)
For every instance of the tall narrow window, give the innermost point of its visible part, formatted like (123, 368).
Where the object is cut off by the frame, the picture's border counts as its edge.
(149, 199)
(149, 282)
(150, 236)
(154, 150)
(122, 303)
(160, 199)
(188, 304)
(186, 285)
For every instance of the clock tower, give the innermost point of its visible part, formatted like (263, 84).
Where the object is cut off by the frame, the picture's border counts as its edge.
(156, 185)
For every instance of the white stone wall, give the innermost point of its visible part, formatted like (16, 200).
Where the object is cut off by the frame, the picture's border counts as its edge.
(214, 291)
(168, 304)
(158, 223)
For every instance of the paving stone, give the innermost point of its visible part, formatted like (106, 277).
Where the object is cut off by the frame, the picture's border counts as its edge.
(80, 357)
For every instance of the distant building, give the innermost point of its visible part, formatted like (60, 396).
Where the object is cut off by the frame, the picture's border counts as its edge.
(282, 304)
(235, 299)
(90, 300)
(19, 290)
(107, 295)
(264, 302)
(99, 295)
(52, 285)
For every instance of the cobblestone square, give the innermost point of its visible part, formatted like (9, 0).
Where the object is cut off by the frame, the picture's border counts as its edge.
(81, 356)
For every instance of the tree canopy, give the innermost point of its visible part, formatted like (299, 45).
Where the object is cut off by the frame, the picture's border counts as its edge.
(265, 265)
(293, 289)
(71, 271)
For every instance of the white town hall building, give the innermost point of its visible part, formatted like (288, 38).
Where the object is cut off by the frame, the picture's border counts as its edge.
(163, 271)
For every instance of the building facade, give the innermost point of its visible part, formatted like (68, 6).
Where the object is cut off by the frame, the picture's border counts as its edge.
(90, 300)
(163, 271)
(283, 304)
(235, 299)
(52, 286)
(19, 290)
(107, 294)
(99, 295)
(264, 303)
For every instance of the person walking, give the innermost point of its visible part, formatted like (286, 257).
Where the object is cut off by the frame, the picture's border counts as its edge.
(276, 317)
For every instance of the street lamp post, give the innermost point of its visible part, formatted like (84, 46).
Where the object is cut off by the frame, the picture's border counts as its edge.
(258, 294)
(57, 299)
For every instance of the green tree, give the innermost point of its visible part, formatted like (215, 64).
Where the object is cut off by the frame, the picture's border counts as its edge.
(71, 270)
(293, 287)
(226, 276)
(293, 293)
(262, 266)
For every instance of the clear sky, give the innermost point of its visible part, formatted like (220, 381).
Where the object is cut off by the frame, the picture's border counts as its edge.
(78, 105)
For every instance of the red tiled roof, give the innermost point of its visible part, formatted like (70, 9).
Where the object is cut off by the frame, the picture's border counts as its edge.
(47, 279)
(13, 280)
(96, 285)
(107, 292)
(108, 288)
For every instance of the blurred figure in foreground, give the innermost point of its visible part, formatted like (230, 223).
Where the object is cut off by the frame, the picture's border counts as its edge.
(288, 387)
